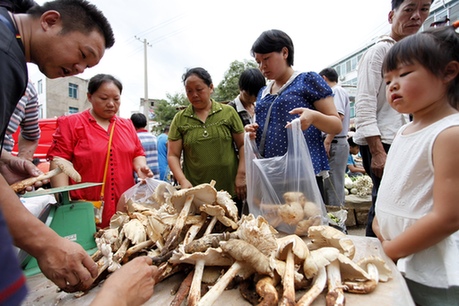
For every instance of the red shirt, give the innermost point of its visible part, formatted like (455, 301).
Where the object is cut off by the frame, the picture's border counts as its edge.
(80, 139)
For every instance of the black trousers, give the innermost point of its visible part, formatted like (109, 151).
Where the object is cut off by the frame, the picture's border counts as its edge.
(366, 160)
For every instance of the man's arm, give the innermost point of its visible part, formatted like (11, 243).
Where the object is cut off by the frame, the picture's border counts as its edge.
(26, 148)
(64, 262)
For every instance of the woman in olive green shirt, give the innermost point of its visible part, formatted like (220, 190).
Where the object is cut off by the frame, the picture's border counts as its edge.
(206, 133)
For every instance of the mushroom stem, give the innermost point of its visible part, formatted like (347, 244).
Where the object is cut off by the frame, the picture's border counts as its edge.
(214, 293)
(182, 291)
(136, 248)
(317, 287)
(19, 186)
(266, 289)
(288, 297)
(195, 289)
(173, 236)
(335, 295)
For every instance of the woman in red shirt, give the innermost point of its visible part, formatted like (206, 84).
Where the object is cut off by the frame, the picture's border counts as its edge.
(83, 139)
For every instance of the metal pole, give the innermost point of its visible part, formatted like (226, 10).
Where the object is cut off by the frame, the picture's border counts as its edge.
(146, 103)
(146, 108)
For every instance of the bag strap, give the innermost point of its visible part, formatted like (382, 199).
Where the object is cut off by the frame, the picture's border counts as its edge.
(265, 129)
(107, 159)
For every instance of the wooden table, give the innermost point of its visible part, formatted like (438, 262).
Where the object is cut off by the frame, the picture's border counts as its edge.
(395, 292)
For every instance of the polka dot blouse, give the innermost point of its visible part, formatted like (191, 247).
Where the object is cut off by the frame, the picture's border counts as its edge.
(302, 90)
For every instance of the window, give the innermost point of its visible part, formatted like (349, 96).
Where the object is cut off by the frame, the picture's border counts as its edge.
(73, 90)
(73, 110)
(40, 86)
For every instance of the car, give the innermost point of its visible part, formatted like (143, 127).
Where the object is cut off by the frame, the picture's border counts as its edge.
(48, 127)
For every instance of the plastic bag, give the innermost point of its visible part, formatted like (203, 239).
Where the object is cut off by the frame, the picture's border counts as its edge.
(337, 219)
(284, 189)
(143, 192)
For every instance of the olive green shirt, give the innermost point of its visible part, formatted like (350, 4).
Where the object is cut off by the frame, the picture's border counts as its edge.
(208, 147)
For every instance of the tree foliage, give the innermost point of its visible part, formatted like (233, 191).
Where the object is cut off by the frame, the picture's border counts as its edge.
(165, 110)
(228, 88)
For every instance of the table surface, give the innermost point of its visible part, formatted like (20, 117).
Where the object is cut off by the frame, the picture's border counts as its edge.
(394, 292)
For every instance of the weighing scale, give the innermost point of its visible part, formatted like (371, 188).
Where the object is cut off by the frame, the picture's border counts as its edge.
(73, 220)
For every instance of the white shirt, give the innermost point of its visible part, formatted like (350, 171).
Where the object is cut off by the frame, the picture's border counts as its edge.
(373, 114)
(406, 195)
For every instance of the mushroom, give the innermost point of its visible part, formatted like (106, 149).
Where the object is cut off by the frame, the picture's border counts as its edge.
(195, 289)
(248, 260)
(377, 271)
(135, 231)
(318, 285)
(172, 238)
(335, 294)
(317, 259)
(62, 164)
(324, 235)
(258, 232)
(218, 212)
(266, 289)
(293, 250)
(182, 201)
(376, 268)
(224, 199)
(211, 257)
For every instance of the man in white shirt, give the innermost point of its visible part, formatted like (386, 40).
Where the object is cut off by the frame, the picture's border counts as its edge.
(376, 122)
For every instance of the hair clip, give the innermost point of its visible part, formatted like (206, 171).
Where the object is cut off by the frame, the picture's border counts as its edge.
(456, 24)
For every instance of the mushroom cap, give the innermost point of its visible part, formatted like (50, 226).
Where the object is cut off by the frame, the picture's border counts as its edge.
(318, 259)
(211, 257)
(225, 200)
(219, 212)
(258, 232)
(384, 272)
(311, 209)
(350, 270)
(203, 194)
(324, 235)
(294, 196)
(67, 167)
(294, 243)
(135, 231)
(291, 213)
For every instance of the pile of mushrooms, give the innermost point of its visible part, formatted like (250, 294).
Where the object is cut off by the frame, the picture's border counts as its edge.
(297, 211)
(197, 231)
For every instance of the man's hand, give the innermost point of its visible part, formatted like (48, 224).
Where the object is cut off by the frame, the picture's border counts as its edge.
(133, 284)
(67, 265)
(15, 169)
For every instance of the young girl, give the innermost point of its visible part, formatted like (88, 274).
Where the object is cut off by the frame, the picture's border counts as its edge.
(417, 211)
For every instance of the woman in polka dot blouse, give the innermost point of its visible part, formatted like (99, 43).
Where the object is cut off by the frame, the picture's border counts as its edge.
(288, 94)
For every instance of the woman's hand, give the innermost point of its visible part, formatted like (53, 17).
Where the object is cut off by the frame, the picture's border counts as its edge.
(144, 172)
(251, 129)
(307, 117)
(241, 186)
(185, 184)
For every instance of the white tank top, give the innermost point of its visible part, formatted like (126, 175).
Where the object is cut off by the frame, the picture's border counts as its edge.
(406, 194)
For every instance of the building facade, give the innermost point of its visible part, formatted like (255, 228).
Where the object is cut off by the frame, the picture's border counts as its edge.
(61, 96)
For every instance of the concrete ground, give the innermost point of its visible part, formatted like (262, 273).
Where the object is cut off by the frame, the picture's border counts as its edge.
(358, 230)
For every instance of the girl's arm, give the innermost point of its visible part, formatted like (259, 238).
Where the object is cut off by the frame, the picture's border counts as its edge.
(174, 152)
(325, 118)
(443, 220)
